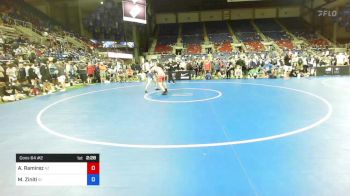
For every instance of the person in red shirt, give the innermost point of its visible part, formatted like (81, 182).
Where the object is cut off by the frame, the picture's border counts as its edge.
(90, 69)
(207, 66)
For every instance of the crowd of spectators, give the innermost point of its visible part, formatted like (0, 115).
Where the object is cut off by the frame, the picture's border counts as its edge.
(28, 69)
(21, 11)
(31, 69)
(272, 64)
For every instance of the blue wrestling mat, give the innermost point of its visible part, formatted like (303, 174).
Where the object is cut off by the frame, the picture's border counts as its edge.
(224, 137)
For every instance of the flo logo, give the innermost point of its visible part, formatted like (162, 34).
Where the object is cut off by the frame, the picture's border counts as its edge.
(327, 13)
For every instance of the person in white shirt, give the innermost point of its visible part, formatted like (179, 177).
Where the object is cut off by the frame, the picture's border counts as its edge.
(146, 68)
(341, 59)
(11, 72)
(183, 65)
(160, 75)
(238, 72)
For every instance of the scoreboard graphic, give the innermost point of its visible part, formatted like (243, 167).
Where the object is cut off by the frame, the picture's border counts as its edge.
(135, 11)
(57, 169)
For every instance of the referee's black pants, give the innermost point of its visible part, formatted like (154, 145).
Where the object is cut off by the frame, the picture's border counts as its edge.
(170, 77)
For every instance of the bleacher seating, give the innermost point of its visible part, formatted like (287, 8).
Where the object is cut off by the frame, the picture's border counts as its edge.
(164, 45)
(217, 27)
(167, 40)
(242, 26)
(218, 32)
(299, 28)
(248, 36)
(23, 11)
(34, 24)
(219, 38)
(168, 30)
(194, 28)
(224, 47)
(271, 29)
(246, 33)
(192, 39)
(163, 49)
(254, 46)
(319, 43)
(8, 32)
(194, 49)
(219, 35)
(192, 33)
(267, 25)
(167, 36)
(277, 35)
(302, 30)
(285, 44)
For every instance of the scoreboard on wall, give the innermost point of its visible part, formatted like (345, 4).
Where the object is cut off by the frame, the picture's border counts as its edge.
(57, 169)
(135, 11)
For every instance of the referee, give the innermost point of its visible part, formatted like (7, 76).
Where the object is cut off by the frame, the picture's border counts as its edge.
(170, 69)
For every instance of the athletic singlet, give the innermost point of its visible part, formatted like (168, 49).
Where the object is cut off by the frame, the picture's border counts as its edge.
(158, 70)
(146, 67)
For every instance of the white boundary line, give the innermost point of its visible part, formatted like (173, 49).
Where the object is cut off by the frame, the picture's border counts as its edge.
(146, 96)
(150, 146)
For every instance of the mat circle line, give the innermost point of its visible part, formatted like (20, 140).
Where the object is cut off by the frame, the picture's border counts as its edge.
(219, 94)
(199, 145)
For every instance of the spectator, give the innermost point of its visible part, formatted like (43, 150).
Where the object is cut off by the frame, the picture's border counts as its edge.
(32, 76)
(61, 76)
(103, 72)
(2, 74)
(82, 72)
(11, 72)
(90, 72)
(207, 66)
(45, 73)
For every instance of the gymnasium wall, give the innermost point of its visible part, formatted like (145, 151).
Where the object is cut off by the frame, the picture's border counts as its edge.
(184, 17)
(265, 13)
(325, 24)
(215, 15)
(285, 12)
(306, 15)
(166, 18)
(229, 14)
(241, 14)
(343, 35)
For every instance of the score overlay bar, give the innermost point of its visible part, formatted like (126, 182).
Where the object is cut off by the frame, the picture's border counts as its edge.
(57, 169)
